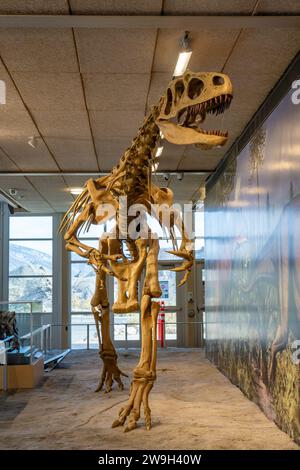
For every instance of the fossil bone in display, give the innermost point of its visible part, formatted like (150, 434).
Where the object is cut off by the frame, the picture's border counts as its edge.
(179, 117)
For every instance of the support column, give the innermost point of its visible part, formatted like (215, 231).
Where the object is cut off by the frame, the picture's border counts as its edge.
(61, 288)
(4, 250)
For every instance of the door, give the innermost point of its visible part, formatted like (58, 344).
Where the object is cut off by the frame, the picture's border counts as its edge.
(125, 327)
(168, 281)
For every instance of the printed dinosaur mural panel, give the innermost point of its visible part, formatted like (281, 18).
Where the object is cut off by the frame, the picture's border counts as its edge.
(252, 226)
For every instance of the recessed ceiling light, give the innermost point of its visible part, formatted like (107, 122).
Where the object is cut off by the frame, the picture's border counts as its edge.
(75, 191)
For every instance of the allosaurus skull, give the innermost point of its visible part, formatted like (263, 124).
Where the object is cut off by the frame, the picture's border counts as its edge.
(187, 101)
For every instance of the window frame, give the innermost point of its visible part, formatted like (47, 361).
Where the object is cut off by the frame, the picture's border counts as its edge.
(31, 239)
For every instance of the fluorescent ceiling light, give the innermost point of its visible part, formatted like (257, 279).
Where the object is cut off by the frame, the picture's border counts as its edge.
(75, 191)
(159, 151)
(182, 63)
(2, 92)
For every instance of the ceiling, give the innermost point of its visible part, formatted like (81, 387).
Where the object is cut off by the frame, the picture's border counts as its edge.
(84, 92)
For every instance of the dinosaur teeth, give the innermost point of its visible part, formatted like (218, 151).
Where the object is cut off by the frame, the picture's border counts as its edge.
(216, 105)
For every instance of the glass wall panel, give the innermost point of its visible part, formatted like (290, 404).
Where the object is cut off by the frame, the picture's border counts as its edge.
(30, 262)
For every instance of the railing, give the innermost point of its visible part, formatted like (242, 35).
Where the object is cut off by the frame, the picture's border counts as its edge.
(44, 331)
(44, 334)
(127, 325)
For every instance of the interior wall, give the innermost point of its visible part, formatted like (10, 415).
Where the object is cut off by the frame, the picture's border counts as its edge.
(252, 253)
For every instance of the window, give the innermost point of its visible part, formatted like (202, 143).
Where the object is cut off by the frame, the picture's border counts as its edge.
(127, 325)
(30, 262)
(167, 280)
(199, 232)
(83, 329)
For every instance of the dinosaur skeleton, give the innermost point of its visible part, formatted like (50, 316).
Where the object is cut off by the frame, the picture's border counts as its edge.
(177, 115)
(9, 329)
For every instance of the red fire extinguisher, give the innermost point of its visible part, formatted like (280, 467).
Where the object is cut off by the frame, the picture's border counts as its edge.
(161, 324)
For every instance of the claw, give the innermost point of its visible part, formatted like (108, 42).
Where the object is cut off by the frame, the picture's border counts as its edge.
(116, 423)
(184, 267)
(181, 254)
(184, 279)
(110, 373)
(113, 257)
(130, 426)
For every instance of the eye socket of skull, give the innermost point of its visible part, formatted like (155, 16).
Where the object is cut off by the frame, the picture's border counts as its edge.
(195, 88)
(218, 80)
(179, 89)
(169, 101)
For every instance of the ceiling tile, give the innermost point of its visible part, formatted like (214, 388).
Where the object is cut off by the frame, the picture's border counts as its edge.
(73, 154)
(13, 99)
(168, 163)
(261, 56)
(115, 50)
(53, 189)
(283, 7)
(210, 50)
(200, 161)
(115, 7)
(58, 124)
(15, 123)
(119, 124)
(6, 164)
(34, 7)
(208, 7)
(27, 196)
(116, 91)
(38, 207)
(38, 50)
(76, 181)
(51, 91)
(170, 156)
(26, 157)
(15, 128)
(110, 151)
(158, 86)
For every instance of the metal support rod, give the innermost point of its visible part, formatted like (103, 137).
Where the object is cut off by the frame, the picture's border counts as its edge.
(4, 367)
(50, 338)
(31, 335)
(98, 173)
(194, 22)
(88, 336)
(42, 340)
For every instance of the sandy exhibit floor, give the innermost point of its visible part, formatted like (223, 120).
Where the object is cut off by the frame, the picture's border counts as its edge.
(193, 407)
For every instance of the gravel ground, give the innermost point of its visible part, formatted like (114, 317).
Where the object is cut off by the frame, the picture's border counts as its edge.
(193, 407)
